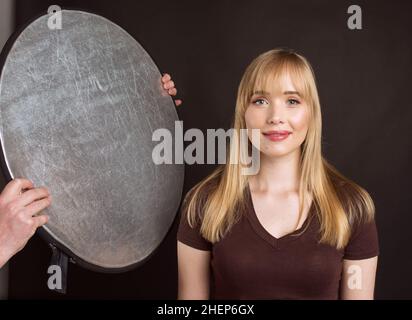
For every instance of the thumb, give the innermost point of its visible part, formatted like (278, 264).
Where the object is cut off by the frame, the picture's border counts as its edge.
(41, 220)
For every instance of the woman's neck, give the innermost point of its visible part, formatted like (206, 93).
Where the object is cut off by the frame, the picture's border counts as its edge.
(277, 174)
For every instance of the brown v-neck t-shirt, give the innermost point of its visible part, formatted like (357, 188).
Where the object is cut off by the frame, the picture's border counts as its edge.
(250, 263)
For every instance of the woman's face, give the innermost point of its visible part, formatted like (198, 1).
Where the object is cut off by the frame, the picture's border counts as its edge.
(282, 116)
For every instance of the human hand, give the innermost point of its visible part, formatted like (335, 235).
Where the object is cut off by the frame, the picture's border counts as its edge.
(169, 85)
(20, 202)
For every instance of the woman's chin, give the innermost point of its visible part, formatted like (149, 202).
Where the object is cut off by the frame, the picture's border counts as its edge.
(275, 152)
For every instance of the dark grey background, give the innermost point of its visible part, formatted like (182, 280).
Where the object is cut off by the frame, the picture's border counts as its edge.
(364, 82)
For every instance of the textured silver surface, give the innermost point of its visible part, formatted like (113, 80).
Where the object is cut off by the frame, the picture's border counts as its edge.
(78, 107)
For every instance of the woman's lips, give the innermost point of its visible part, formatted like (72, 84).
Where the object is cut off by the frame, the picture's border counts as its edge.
(277, 135)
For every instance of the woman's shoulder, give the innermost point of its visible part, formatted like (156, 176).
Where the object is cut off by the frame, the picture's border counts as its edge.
(189, 230)
(355, 200)
(198, 196)
(358, 205)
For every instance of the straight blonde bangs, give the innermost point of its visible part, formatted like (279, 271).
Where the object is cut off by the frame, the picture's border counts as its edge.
(270, 68)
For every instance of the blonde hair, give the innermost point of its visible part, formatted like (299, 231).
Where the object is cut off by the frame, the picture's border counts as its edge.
(217, 200)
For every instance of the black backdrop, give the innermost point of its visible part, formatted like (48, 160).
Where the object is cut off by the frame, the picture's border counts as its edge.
(364, 82)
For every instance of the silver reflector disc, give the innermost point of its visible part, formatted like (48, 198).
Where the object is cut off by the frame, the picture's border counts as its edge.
(78, 109)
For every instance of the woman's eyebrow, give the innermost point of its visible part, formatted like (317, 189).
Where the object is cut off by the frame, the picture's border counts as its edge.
(292, 92)
(262, 92)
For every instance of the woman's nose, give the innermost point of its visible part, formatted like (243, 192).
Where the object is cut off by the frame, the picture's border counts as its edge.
(275, 113)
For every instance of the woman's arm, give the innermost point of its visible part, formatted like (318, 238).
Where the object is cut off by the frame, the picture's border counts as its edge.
(358, 279)
(193, 273)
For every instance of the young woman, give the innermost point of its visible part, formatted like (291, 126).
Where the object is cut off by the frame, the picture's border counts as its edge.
(298, 229)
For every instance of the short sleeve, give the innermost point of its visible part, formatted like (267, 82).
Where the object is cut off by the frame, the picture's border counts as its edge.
(191, 236)
(363, 243)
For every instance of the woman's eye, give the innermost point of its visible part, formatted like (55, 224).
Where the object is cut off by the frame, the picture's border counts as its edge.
(259, 101)
(293, 101)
